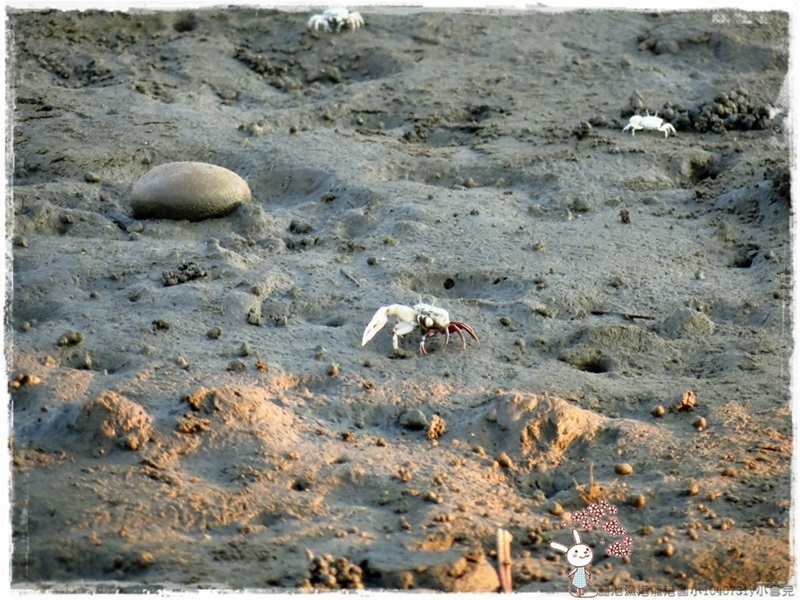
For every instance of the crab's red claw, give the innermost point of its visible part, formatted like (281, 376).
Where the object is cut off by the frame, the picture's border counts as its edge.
(458, 327)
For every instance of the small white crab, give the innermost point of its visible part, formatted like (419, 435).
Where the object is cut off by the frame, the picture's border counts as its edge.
(430, 319)
(336, 19)
(649, 121)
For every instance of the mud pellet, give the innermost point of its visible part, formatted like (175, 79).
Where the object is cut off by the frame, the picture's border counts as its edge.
(582, 205)
(161, 325)
(437, 427)
(431, 496)
(145, 559)
(479, 450)
(237, 366)
(623, 469)
(504, 460)
(71, 338)
(637, 500)
(254, 317)
(688, 401)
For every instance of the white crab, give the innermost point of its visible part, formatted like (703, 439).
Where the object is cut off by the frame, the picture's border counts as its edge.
(430, 319)
(649, 121)
(336, 18)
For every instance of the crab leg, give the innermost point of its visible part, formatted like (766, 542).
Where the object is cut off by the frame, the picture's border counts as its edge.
(454, 327)
(428, 334)
(458, 331)
(422, 349)
(458, 327)
(401, 328)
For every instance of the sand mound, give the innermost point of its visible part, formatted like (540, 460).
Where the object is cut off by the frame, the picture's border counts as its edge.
(685, 322)
(237, 406)
(537, 427)
(236, 415)
(607, 347)
(449, 570)
(112, 421)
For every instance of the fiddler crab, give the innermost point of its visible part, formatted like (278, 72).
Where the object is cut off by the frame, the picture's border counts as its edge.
(432, 320)
(336, 19)
(649, 121)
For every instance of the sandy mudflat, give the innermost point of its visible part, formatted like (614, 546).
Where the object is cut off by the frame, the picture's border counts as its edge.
(192, 406)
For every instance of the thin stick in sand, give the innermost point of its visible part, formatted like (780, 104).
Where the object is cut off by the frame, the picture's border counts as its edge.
(504, 559)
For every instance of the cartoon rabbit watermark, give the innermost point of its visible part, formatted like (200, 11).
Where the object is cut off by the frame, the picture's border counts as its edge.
(579, 556)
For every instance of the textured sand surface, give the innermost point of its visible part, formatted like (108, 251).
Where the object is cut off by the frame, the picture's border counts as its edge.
(191, 405)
